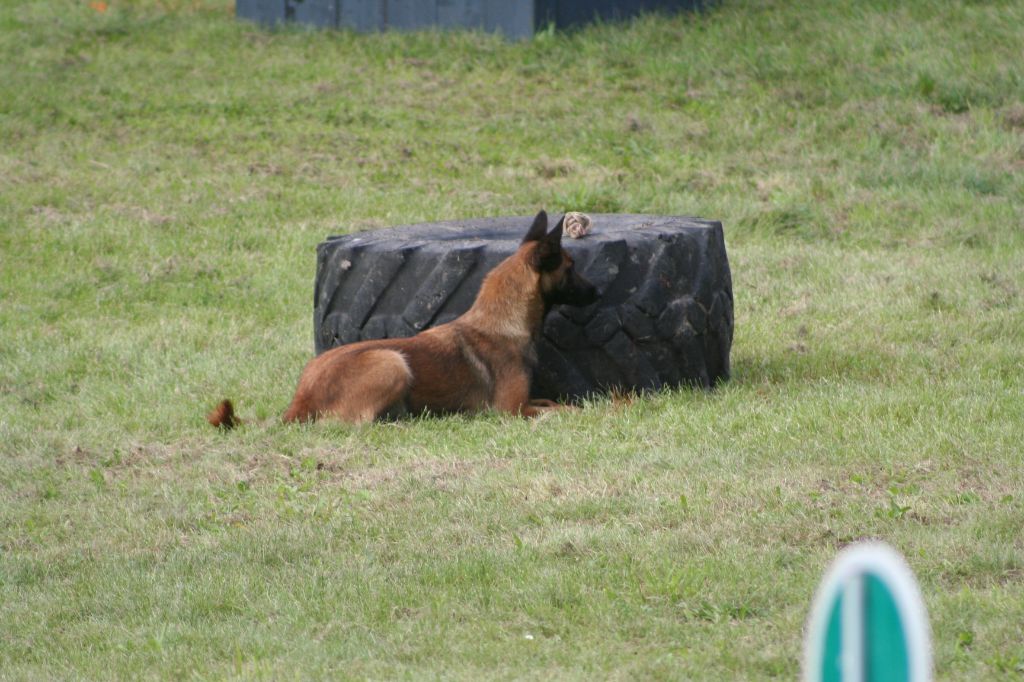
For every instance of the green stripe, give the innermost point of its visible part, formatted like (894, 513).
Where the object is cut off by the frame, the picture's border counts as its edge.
(884, 640)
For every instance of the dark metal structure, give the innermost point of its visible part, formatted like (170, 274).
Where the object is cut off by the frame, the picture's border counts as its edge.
(514, 18)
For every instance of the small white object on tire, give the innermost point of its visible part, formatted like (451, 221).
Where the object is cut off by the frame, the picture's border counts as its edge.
(577, 224)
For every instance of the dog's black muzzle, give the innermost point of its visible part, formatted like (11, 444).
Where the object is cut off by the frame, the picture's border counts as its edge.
(574, 290)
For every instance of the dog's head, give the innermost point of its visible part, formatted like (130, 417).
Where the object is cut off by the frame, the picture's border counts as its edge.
(560, 284)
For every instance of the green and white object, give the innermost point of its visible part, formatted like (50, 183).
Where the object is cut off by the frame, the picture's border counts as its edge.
(868, 622)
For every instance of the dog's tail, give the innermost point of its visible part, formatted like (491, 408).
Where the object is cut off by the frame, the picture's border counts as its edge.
(223, 416)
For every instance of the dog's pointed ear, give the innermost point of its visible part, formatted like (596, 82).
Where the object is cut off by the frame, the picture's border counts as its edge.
(548, 253)
(555, 235)
(538, 229)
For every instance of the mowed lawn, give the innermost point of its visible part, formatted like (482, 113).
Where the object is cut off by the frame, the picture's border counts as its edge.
(165, 174)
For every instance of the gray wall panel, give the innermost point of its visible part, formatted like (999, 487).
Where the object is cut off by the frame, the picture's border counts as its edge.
(263, 11)
(514, 18)
(315, 12)
(361, 15)
(410, 14)
(455, 13)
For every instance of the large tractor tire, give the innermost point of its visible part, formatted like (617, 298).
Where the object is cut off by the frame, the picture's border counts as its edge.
(664, 317)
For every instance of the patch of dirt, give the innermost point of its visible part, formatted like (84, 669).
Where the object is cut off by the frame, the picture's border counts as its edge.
(49, 214)
(1013, 116)
(265, 169)
(635, 124)
(555, 168)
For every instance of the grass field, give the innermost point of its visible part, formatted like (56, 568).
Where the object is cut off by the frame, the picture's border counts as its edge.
(165, 174)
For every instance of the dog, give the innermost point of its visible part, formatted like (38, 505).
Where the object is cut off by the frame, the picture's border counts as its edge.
(482, 360)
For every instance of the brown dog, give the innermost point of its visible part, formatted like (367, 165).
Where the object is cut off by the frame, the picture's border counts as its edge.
(482, 360)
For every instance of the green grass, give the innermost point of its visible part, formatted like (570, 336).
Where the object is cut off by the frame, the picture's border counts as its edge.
(165, 174)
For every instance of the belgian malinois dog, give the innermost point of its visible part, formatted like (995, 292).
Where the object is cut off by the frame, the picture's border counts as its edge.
(482, 360)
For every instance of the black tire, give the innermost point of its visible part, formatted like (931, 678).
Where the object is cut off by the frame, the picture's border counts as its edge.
(665, 316)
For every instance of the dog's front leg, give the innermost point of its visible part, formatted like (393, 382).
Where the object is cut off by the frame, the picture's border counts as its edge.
(545, 406)
(513, 395)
